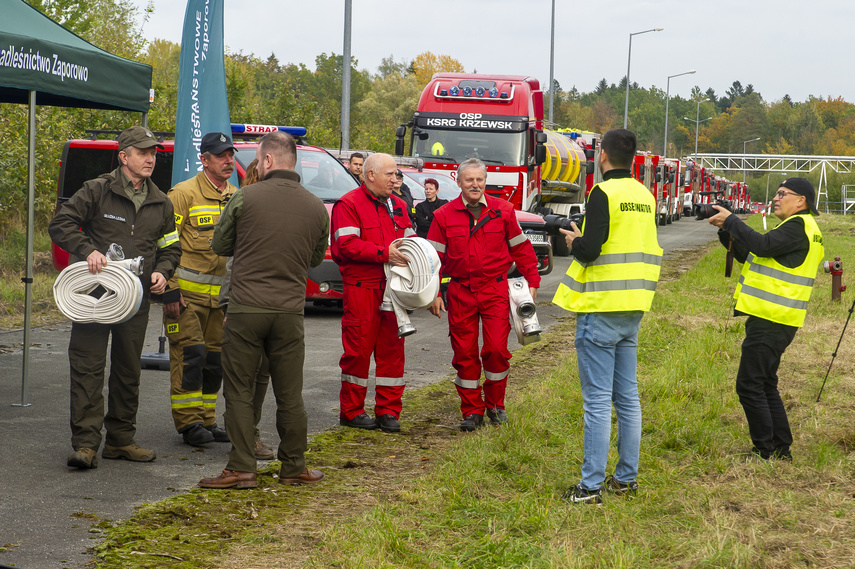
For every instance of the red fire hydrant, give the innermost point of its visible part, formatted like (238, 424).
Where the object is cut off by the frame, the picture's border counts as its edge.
(836, 269)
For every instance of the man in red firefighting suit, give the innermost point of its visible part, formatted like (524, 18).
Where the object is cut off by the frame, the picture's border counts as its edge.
(478, 238)
(366, 224)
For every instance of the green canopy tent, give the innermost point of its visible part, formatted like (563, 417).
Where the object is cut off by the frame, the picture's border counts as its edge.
(42, 63)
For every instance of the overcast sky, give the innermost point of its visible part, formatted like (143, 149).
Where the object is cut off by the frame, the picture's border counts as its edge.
(781, 47)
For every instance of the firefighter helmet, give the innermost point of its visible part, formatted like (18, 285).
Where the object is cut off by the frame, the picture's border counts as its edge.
(437, 149)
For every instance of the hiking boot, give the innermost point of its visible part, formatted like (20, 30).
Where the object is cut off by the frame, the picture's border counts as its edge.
(230, 479)
(133, 452)
(471, 422)
(497, 416)
(361, 421)
(578, 494)
(388, 424)
(220, 435)
(619, 488)
(305, 477)
(782, 454)
(83, 458)
(196, 435)
(764, 454)
(263, 451)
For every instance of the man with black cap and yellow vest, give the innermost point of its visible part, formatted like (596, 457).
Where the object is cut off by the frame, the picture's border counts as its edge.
(123, 207)
(610, 286)
(191, 312)
(773, 291)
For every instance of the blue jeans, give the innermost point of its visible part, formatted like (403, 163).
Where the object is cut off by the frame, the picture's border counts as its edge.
(606, 349)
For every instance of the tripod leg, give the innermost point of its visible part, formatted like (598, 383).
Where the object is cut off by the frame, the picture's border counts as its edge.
(834, 355)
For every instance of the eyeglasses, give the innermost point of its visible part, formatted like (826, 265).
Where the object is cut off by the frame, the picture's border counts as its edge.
(781, 193)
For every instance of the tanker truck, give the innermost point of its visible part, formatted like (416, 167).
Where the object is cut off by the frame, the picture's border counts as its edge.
(499, 119)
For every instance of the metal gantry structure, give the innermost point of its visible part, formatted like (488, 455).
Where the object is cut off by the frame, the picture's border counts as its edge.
(782, 163)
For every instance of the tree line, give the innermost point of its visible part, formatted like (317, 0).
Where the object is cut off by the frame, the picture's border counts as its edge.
(267, 91)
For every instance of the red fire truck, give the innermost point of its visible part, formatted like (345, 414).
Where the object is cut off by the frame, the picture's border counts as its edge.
(323, 175)
(662, 177)
(499, 119)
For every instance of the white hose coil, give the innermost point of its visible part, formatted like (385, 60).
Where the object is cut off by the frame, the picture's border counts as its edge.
(119, 303)
(414, 286)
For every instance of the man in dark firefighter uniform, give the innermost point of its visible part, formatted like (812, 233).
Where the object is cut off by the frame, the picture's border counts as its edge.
(366, 224)
(773, 291)
(610, 285)
(191, 312)
(478, 238)
(126, 208)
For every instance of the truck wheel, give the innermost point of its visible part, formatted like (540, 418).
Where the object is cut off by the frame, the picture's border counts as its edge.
(559, 246)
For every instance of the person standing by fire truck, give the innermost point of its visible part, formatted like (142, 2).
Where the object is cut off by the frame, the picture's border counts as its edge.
(366, 224)
(191, 312)
(478, 239)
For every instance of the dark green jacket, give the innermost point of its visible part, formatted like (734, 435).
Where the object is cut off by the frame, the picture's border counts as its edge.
(100, 213)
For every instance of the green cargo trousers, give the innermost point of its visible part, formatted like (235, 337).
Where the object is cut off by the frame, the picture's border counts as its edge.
(87, 356)
(281, 336)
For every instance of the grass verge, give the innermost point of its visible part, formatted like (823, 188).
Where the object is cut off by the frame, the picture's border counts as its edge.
(13, 258)
(433, 497)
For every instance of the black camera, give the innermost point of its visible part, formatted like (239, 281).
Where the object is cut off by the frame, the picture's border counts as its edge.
(556, 222)
(706, 210)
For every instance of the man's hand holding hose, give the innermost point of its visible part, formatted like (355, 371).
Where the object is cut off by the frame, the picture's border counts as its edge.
(97, 261)
(438, 306)
(396, 257)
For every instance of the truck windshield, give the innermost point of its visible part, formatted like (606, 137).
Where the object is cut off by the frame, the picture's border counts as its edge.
(493, 148)
(319, 172)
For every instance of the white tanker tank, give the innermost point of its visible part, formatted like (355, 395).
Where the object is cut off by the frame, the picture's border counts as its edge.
(563, 174)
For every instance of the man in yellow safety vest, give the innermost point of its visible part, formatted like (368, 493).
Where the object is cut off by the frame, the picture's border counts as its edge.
(773, 291)
(610, 286)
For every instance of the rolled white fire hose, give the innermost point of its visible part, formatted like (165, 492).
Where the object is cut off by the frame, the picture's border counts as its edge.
(120, 300)
(414, 286)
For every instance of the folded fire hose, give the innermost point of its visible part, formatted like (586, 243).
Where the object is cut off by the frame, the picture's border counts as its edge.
(523, 312)
(112, 296)
(414, 286)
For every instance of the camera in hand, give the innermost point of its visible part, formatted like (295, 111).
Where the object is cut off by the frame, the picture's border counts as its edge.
(555, 222)
(706, 210)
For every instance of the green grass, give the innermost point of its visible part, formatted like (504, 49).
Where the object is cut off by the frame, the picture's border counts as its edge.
(495, 500)
(13, 247)
(432, 497)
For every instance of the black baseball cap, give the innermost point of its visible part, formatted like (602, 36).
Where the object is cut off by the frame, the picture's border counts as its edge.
(138, 137)
(215, 143)
(803, 188)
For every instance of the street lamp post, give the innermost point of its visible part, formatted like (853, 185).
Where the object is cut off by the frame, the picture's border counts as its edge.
(697, 124)
(552, 65)
(628, 60)
(667, 97)
(743, 158)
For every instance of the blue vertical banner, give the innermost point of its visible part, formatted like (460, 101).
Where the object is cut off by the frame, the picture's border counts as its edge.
(203, 106)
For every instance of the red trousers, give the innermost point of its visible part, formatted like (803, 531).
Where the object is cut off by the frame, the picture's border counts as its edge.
(465, 307)
(367, 331)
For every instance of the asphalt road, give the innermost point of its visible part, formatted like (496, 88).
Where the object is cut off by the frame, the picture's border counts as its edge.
(46, 508)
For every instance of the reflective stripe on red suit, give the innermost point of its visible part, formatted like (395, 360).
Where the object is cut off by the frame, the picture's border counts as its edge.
(361, 231)
(478, 265)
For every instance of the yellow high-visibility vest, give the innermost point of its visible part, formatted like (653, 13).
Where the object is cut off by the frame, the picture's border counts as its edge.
(771, 291)
(624, 276)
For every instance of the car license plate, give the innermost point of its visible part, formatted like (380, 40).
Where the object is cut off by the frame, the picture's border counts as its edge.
(536, 237)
